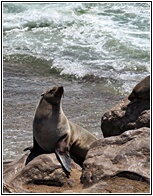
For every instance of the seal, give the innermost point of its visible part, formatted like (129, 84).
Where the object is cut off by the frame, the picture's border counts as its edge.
(141, 91)
(53, 132)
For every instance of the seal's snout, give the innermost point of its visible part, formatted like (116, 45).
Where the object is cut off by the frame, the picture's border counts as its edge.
(60, 91)
(131, 97)
(61, 88)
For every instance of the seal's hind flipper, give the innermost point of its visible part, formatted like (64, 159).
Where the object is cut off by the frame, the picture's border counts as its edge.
(29, 148)
(62, 152)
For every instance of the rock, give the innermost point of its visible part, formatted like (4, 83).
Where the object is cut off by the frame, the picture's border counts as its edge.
(12, 168)
(126, 155)
(44, 169)
(117, 164)
(8, 188)
(118, 185)
(125, 116)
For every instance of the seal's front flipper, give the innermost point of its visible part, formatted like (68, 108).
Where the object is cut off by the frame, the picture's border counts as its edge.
(62, 152)
(65, 160)
(35, 151)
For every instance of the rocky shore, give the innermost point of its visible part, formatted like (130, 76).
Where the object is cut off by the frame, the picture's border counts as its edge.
(117, 163)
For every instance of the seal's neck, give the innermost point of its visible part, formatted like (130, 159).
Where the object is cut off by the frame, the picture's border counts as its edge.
(46, 109)
(57, 109)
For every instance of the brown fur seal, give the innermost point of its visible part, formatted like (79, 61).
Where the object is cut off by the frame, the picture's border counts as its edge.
(141, 91)
(53, 132)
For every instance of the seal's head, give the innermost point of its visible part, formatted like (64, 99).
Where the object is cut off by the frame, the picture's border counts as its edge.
(53, 95)
(141, 91)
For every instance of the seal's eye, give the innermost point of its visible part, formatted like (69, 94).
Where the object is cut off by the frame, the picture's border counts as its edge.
(52, 91)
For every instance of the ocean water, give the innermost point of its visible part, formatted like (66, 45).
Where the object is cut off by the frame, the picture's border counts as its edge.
(97, 51)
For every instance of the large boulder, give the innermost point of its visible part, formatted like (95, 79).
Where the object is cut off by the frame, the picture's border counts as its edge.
(44, 169)
(125, 116)
(126, 155)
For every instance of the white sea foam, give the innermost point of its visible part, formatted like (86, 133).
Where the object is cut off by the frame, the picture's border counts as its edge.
(103, 39)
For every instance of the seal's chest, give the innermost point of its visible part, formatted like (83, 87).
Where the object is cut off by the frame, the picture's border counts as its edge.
(46, 134)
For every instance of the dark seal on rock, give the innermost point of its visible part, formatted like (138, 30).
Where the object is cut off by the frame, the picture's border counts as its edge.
(141, 91)
(53, 132)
